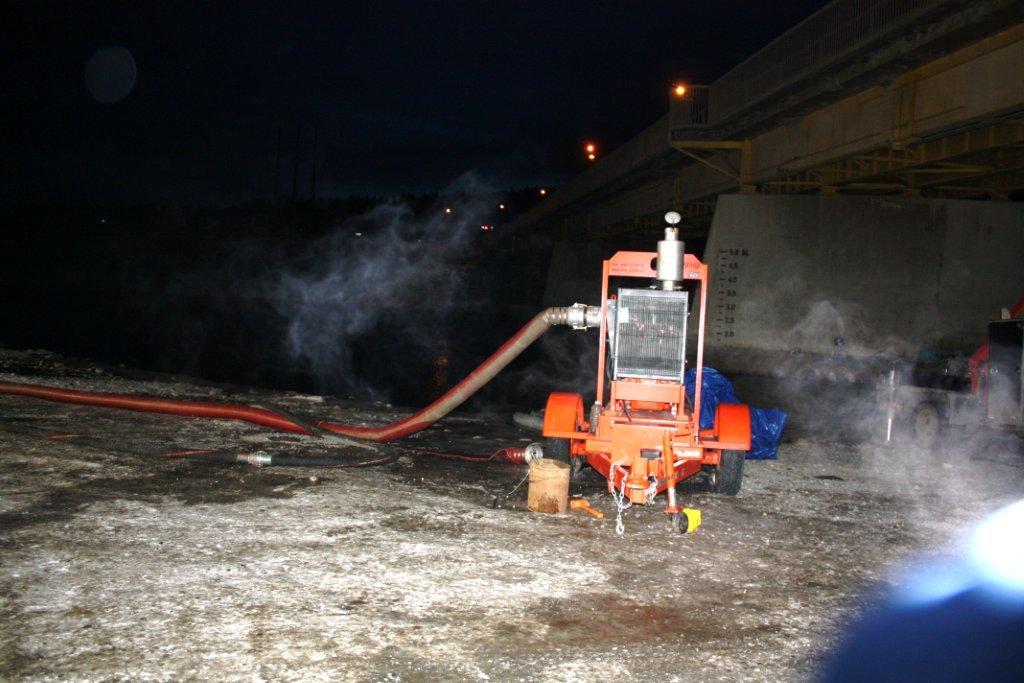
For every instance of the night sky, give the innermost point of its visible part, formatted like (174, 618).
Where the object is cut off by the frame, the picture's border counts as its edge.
(405, 96)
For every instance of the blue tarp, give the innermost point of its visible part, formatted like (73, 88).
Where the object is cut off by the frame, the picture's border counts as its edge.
(766, 424)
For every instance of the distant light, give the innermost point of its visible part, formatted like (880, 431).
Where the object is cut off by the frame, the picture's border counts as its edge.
(501, 206)
(543, 190)
(103, 220)
(486, 227)
(359, 234)
(591, 156)
(679, 90)
(447, 209)
(591, 148)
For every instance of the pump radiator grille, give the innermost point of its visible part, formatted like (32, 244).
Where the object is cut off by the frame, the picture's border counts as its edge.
(650, 334)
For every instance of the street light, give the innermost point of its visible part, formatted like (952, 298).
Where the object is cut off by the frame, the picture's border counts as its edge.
(679, 90)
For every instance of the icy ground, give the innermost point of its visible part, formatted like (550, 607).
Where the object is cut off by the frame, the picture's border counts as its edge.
(116, 564)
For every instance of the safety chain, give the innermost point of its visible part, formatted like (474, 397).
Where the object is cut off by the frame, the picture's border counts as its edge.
(652, 489)
(621, 504)
(619, 496)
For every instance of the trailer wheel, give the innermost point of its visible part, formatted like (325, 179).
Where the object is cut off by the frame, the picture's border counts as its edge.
(729, 476)
(558, 449)
(926, 423)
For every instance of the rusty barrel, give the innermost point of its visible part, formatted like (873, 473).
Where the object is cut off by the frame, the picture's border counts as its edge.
(549, 486)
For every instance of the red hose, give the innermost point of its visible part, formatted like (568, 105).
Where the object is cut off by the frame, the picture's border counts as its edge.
(217, 411)
(418, 421)
(455, 396)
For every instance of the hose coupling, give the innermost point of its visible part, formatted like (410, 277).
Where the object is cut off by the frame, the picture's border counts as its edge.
(533, 453)
(257, 459)
(578, 316)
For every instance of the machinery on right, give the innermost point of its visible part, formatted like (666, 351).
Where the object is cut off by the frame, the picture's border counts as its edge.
(993, 397)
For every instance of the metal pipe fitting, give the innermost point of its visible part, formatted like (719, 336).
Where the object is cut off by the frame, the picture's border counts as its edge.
(533, 453)
(258, 459)
(578, 316)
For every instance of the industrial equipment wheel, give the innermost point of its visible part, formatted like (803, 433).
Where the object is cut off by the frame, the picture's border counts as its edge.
(729, 476)
(558, 449)
(926, 423)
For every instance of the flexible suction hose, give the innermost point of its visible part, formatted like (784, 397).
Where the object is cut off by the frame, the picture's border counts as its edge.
(418, 421)
(216, 411)
(455, 396)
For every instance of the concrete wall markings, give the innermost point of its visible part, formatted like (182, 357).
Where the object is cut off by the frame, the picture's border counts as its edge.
(855, 276)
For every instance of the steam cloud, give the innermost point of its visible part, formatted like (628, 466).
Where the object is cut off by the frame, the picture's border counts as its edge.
(386, 266)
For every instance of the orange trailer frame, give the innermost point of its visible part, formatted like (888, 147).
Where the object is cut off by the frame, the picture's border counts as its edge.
(645, 438)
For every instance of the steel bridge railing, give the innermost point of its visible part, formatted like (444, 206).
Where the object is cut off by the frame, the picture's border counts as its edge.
(833, 32)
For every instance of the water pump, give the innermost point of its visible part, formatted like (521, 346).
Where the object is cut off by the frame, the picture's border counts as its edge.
(642, 432)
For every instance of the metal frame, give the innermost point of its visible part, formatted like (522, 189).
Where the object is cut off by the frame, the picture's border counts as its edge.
(638, 264)
(979, 157)
(826, 37)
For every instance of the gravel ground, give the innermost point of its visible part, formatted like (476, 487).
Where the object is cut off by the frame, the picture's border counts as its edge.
(118, 564)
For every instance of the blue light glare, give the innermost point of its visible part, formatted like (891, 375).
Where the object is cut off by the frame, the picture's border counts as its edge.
(997, 549)
(994, 563)
(936, 581)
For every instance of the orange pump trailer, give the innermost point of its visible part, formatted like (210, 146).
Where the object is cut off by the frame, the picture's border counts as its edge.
(646, 438)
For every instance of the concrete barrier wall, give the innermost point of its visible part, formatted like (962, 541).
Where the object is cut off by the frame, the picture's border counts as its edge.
(821, 276)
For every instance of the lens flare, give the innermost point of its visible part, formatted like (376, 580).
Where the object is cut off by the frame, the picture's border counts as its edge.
(996, 548)
(994, 562)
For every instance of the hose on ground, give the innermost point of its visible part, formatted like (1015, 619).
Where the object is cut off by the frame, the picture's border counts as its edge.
(513, 454)
(528, 421)
(272, 460)
(416, 422)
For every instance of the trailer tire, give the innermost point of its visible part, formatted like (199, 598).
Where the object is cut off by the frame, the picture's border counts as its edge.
(729, 475)
(558, 449)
